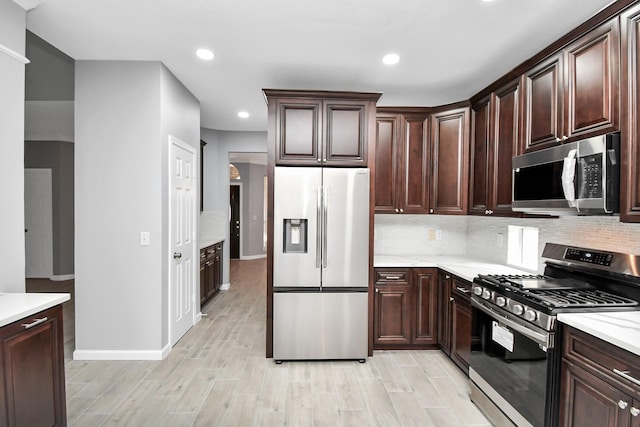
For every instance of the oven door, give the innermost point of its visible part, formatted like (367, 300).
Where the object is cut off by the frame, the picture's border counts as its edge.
(514, 366)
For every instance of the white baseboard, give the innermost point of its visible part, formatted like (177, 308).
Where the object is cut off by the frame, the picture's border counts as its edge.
(62, 277)
(121, 354)
(225, 286)
(249, 257)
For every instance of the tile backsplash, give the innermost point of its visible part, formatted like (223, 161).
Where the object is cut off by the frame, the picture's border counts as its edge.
(477, 236)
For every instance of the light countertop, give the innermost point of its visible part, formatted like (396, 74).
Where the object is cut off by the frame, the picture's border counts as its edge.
(208, 242)
(618, 328)
(17, 306)
(463, 267)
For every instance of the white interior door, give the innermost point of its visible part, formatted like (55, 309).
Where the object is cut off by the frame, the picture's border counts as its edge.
(38, 223)
(182, 199)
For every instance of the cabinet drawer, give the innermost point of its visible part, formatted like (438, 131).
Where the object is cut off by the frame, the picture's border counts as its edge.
(391, 276)
(601, 358)
(461, 289)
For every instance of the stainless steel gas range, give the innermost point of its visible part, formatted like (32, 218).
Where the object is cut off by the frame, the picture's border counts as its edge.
(515, 357)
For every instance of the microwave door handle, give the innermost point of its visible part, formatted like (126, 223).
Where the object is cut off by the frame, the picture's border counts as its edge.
(568, 177)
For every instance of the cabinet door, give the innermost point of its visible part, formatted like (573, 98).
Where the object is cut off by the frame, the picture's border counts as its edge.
(32, 392)
(414, 171)
(480, 158)
(460, 325)
(444, 312)
(298, 132)
(593, 67)
(345, 133)
(424, 306)
(504, 147)
(450, 147)
(588, 401)
(392, 311)
(388, 154)
(629, 172)
(203, 277)
(543, 108)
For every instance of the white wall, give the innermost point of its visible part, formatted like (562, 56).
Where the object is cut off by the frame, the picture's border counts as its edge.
(216, 174)
(124, 113)
(12, 36)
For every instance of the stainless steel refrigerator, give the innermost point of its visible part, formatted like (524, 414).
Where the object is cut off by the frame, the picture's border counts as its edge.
(320, 263)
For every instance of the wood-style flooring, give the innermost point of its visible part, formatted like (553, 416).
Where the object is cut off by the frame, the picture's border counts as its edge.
(217, 375)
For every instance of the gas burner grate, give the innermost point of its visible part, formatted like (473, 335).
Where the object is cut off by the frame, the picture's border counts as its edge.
(507, 278)
(580, 298)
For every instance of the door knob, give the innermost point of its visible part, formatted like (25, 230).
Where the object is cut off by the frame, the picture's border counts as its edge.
(177, 255)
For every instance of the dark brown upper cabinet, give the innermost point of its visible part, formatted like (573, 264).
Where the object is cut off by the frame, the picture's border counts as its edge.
(543, 101)
(450, 158)
(630, 119)
(314, 128)
(574, 93)
(495, 136)
(402, 162)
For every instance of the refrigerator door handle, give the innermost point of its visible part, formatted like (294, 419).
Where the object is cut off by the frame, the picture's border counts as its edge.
(325, 233)
(319, 228)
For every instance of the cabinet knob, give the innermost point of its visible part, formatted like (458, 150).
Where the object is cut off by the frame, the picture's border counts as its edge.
(401, 210)
(558, 139)
(634, 411)
(622, 404)
(450, 299)
(397, 210)
(447, 276)
(430, 210)
(565, 137)
(377, 290)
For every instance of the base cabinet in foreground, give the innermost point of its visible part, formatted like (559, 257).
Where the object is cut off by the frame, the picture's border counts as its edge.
(32, 385)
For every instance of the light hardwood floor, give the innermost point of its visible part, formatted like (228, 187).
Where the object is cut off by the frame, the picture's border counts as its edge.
(217, 375)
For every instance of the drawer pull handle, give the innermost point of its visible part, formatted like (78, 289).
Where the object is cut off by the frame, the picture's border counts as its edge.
(634, 411)
(626, 376)
(622, 404)
(463, 290)
(34, 323)
(392, 277)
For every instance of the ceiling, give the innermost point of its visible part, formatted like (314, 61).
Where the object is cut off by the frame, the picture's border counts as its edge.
(449, 49)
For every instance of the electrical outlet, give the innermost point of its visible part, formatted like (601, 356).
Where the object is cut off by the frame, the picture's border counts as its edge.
(500, 240)
(438, 234)
(431, 234)
(144, 238)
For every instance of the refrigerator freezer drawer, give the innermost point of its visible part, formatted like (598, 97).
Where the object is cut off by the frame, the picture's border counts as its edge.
(319, 325)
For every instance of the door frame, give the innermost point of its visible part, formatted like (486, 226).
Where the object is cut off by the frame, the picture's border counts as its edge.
(195, 252)
(240, 251)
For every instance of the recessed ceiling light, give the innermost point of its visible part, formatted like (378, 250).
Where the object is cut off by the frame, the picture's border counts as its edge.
(243, 114)
(205, 54)
(391, 59)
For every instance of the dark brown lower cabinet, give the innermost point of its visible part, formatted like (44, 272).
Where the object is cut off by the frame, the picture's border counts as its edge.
(592, 394)
(210, 272)
(32, 389)
(405, 308)
(454, 319)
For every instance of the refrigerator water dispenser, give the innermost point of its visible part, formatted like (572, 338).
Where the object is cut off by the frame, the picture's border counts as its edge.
(295, 235)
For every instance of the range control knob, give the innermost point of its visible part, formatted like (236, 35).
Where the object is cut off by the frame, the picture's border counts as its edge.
(486, 294)
(518, 309)
(501, 301)
(477, 290)
(530, 315)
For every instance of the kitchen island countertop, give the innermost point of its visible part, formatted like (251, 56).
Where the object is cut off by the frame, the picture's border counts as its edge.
(205, 243)
(621, 328)
(16, 306)
(461, 266)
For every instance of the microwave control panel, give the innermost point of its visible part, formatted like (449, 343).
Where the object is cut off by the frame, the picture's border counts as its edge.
(590, 177)
(599, 258)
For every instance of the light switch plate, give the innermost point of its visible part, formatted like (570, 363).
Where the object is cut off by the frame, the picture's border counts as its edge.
(144, 238)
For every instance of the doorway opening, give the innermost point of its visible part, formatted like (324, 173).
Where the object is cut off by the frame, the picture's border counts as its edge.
(235, 213)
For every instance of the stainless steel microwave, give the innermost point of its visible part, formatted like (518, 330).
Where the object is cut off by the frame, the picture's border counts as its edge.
(578, 178)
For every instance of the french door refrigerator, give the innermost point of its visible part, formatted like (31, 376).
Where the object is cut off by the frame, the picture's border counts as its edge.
(320, 263)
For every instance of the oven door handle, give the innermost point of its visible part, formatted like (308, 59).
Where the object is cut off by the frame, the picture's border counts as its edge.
(544, 339)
